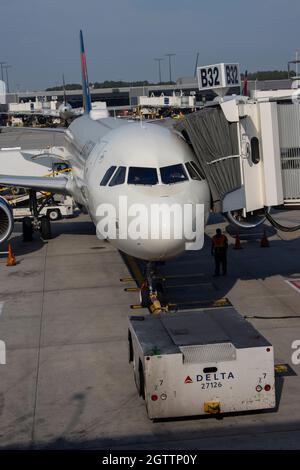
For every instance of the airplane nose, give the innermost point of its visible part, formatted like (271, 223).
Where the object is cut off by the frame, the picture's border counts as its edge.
(163, 230)
(155, 250)
(149, 227)
(152, 248)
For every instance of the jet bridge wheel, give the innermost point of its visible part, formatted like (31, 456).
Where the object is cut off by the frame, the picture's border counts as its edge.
(45, 228)
(27, 229)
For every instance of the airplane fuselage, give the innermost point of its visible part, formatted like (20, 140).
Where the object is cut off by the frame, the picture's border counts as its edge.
(144, 164)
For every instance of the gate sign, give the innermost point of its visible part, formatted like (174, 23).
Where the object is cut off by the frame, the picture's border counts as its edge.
(218, 76)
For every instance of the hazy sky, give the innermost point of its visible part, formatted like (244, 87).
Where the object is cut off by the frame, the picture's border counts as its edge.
(40, 38)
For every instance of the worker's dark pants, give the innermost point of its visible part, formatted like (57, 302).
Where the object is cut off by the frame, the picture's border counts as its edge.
(220, 260)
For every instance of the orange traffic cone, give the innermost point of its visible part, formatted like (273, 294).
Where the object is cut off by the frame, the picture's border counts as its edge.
(237, 245)
(11, 259)
(264, 242)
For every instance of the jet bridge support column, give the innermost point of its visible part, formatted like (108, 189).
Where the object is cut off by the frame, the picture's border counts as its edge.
(273, 192)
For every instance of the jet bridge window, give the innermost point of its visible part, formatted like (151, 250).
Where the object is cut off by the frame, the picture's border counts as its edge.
(145, 176)
(192, 171)
(173, 174)
(107, 176)
(119, 176)
(255, 156)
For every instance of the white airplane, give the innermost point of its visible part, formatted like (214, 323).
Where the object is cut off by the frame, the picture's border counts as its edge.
(65, 112)
(147, 163)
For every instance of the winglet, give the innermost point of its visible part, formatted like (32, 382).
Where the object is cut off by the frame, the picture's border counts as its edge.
(85, 80)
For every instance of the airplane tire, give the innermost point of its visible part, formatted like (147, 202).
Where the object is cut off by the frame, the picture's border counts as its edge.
(45, 228)
(27, 229)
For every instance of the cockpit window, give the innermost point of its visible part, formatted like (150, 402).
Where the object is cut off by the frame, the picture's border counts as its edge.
(107, 176)
(196, 167)
(119, 176)
(139, 175)
(192, 171)
(173, 174)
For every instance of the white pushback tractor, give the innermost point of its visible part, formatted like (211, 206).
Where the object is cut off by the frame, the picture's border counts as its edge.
(198, 362)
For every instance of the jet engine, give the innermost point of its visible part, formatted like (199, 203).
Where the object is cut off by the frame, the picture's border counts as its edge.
(6, 220)
(250, 220)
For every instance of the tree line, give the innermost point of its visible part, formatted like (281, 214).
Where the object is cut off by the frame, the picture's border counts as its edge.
(108, 84)
(268, 75)
(259, 75)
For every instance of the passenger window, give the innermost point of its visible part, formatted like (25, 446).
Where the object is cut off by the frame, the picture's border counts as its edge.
(139, 175)
(192, 172)
(173, 174)
(119, 177)
(107, 176)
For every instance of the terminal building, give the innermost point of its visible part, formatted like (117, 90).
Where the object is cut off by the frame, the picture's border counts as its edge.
(129, 96)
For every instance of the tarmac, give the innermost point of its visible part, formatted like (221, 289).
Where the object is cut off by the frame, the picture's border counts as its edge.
(22, 137)
(67, 383)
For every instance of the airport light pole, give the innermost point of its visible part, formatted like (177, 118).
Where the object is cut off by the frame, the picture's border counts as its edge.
(196, 65)
(2, 63)
(296, 62)
(158, 60)
(6, 66)
(170, 70)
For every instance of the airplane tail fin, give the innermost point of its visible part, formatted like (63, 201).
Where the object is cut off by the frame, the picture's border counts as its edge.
(85, 80)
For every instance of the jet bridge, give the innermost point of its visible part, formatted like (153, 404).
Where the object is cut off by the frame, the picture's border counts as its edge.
(249, 152)
(215, 142)
(289, 142)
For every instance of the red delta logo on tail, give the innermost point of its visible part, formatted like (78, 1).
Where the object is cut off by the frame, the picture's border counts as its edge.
(83, 65)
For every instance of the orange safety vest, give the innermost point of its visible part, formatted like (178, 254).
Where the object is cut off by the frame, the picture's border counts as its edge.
(219, 242)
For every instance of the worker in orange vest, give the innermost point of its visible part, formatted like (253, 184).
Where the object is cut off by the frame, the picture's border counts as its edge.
(219, 251)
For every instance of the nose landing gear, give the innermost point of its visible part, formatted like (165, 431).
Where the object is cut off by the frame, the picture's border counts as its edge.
(151, 293)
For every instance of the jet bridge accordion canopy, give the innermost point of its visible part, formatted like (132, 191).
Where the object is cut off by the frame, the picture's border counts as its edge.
(215, 143)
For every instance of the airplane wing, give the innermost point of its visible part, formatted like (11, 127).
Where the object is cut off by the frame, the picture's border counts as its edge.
(33, 162)
(33, 169)
(57, 185)
(54, 114)
(4, 129)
